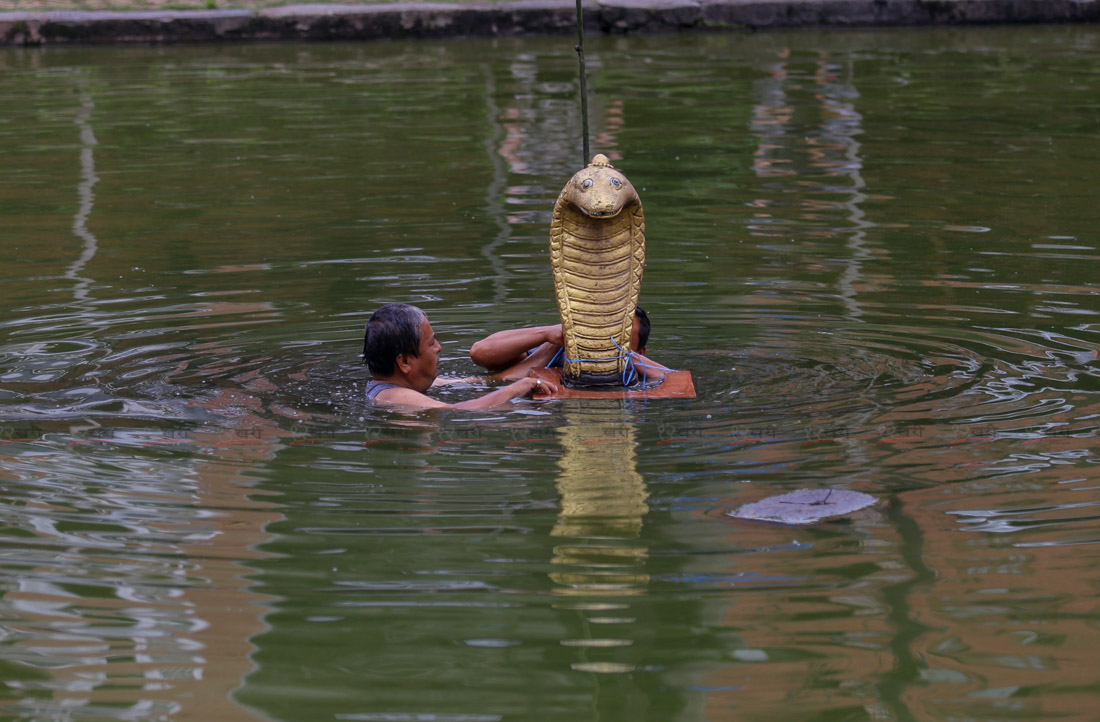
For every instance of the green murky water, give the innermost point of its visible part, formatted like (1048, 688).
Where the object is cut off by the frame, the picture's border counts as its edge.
(876, 252)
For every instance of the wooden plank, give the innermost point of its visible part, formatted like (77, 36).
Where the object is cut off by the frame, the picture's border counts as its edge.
(676, 385)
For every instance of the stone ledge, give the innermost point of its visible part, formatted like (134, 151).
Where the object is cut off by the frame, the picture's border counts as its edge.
(523, 17)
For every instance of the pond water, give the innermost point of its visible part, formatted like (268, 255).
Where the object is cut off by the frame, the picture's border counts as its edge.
(876, 252)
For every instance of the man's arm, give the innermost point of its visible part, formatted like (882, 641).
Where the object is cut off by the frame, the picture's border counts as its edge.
(649, 369)
(507, 348)
(414, 399)
(448, 380)
(542, 356)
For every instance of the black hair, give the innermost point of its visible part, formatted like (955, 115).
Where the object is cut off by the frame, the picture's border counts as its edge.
(391, 331)
(643, 325)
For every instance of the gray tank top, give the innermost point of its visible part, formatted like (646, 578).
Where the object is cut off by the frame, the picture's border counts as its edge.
(376, 387)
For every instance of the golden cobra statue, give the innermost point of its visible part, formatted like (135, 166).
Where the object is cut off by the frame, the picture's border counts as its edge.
(597, 252)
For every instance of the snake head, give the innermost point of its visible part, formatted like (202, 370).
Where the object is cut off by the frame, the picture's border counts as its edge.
(600, 191)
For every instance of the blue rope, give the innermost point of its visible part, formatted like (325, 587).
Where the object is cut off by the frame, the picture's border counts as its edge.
(561, 350)
(628, 369)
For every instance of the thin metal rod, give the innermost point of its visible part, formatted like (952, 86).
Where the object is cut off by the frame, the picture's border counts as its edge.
(584, 83)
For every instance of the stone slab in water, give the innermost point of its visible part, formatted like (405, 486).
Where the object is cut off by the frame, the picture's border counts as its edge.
(805, 506)
(524, 17)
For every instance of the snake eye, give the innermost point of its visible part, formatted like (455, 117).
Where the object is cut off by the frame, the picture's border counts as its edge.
(586, 183)
(615, 183)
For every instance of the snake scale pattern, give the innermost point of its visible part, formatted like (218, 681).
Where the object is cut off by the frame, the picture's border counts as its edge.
(597, 253)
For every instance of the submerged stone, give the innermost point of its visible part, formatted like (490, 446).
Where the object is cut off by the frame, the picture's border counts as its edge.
(805, 506)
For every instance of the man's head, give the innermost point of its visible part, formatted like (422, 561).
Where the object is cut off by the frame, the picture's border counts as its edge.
(641, 330)
(399, 341)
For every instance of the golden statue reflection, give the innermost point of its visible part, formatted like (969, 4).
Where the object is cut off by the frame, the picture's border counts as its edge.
(603, 502)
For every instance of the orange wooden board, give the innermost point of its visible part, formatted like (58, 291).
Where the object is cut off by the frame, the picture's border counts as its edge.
(677, 385)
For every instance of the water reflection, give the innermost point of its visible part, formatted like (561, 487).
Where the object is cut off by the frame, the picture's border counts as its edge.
(809, 629)
(126, 596)
(85, 192)
(494, 193)
(603, 503)
(807, 161)
(1008, 629)
(535, 132)
(125, 554)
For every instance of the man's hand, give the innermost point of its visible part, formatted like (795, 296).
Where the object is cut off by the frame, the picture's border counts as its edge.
(554, 335)
(538, 387)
